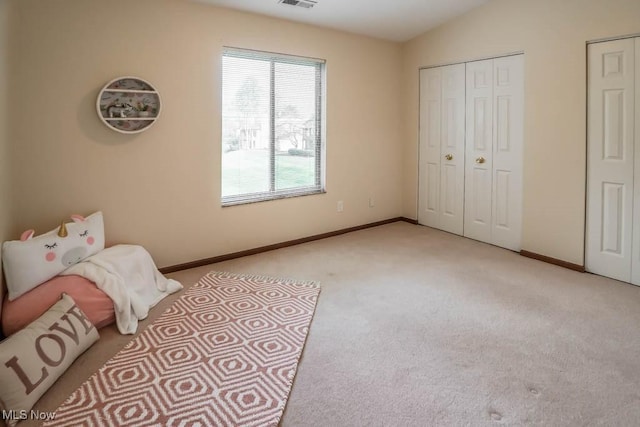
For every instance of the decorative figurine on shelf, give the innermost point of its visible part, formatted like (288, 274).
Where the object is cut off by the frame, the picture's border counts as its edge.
(144, 110)
(119, 110)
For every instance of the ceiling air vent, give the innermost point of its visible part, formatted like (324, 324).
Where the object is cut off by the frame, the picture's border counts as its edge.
(307, 4)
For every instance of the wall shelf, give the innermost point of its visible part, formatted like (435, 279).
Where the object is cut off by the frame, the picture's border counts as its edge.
(129, 118)
(128, 105)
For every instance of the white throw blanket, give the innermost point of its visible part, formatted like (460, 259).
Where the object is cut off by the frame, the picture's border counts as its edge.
(128, 275)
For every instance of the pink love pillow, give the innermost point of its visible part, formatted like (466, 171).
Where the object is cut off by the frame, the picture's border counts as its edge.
(30, 261)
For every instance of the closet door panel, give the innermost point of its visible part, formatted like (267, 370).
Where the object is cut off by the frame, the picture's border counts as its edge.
(479, 203)
(452, 149)
(610, 166)
(506, 209)
(479, 153)
(430, 129)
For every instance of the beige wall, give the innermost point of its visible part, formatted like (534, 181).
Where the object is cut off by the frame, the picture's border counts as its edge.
(161, 188)
(5, 176)
(552, 34)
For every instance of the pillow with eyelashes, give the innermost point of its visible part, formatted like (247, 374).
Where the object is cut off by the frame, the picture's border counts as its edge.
(30, 261)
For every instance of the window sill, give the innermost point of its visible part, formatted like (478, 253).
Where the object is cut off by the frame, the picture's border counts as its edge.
(264, 197)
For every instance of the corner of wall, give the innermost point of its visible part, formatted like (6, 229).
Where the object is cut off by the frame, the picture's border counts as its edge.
(409, 133)
(5, 174)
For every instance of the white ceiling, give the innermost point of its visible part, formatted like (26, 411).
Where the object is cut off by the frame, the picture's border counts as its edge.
(396, 20)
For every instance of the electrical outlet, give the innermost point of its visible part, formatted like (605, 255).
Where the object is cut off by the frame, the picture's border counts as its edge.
(340, 206)
(372, 202)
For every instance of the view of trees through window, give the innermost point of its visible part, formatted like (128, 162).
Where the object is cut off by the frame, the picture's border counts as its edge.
(270, 126)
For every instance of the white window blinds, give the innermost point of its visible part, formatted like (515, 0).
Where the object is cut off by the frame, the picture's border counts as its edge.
(272, 123)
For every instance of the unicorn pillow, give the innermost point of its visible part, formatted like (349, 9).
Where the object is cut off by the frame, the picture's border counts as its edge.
(30, 261)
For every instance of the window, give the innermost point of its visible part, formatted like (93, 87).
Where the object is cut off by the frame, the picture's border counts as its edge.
(272, 126)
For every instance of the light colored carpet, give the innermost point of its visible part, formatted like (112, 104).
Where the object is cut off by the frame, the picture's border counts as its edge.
(419, 327)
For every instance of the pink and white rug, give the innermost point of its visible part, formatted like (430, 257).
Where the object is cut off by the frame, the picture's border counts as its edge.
(224, 354)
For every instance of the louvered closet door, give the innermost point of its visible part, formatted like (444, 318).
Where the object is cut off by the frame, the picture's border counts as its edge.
(494, 141)
(442, 111)
(610, 168)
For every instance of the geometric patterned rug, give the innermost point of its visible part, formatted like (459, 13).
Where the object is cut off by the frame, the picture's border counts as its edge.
(224, 354)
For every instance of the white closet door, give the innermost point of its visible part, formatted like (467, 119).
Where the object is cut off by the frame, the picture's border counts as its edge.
(430, 113)
(508, 99)
(479, 153)
(635, 263)
(452, 149)
(442, 113)
(610, 158)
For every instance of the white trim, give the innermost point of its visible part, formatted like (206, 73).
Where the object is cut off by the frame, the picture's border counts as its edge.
(283, 57)
(483, 58)
(608, 39)
(263, 197)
